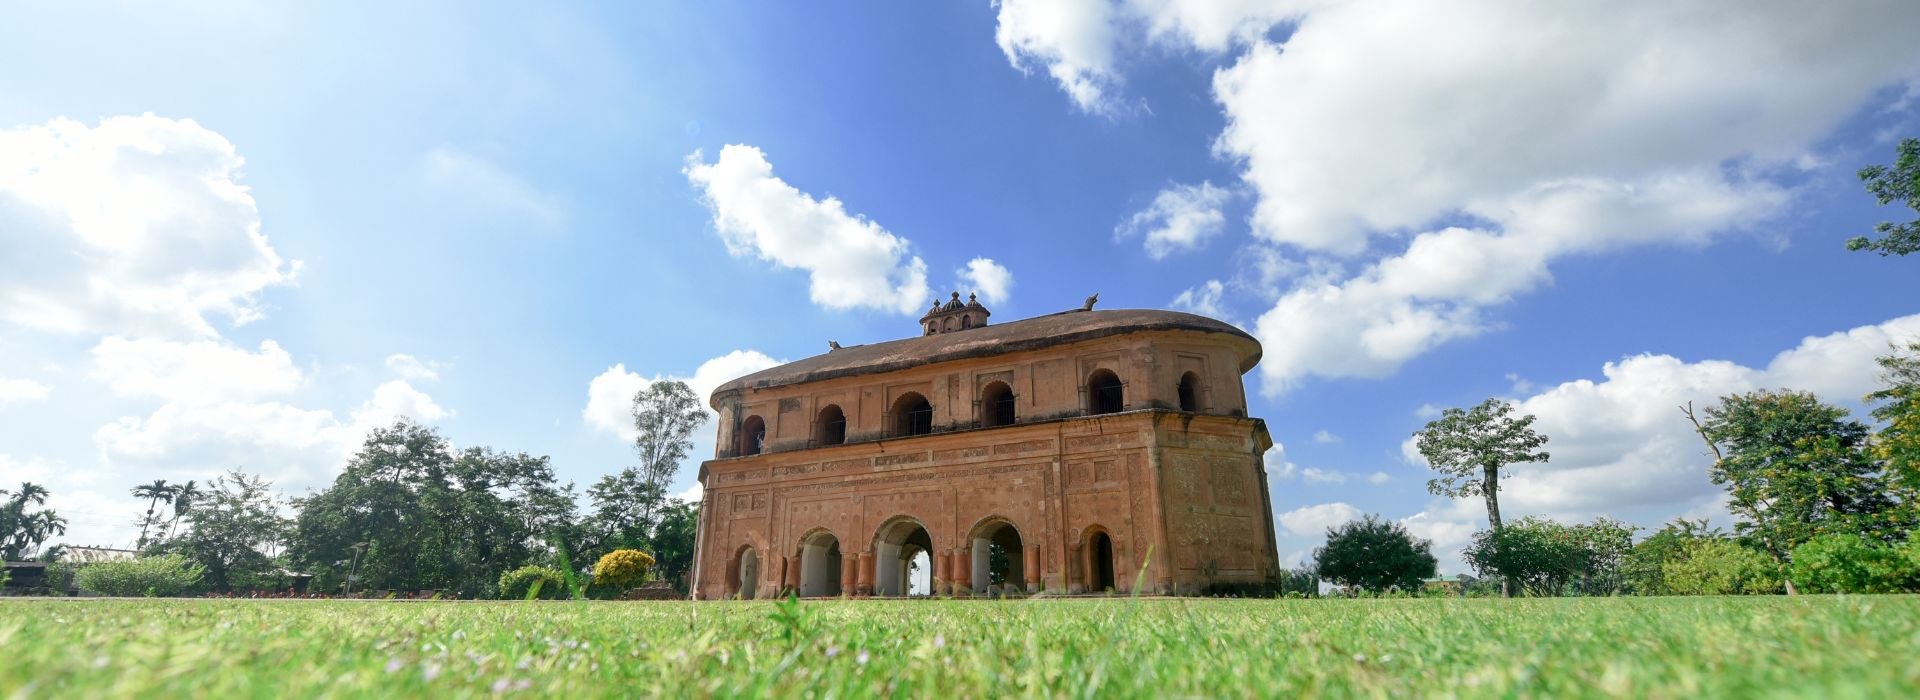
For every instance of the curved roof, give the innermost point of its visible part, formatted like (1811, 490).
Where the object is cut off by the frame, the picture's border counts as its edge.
(997, 339)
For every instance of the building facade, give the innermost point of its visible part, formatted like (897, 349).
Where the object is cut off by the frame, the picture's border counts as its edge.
(1075, 452)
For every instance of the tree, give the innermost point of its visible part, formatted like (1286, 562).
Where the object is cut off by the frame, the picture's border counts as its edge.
(673, 542)
(1643, 566)
(1548, 559)
(1900, 183)
(1897, 444)
(665, 414)
(1471, 447)
(154, 493)
(1375, 555)
(1849, 563)
(22, 531)
(1720, 567)
(232, 532)
(1794, 469)
(183, 499)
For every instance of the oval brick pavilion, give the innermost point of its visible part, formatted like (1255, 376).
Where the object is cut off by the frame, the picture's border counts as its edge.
(1061, 453)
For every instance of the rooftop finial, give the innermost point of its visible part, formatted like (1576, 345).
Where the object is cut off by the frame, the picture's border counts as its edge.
(1088, 306)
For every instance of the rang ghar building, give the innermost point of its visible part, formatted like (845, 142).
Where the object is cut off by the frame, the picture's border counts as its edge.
(1070, 453)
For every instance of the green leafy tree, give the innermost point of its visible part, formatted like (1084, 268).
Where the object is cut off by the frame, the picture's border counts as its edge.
(673, 542)
(23, 530)
(1897, 409)
(184, 496)
(665, 414)
(232, 533)
(1544, 557)
(154, 493)
(1849, 563)
(155, 576)
(1720, 567)
(1375, 555)
(1472, 447)
(1643, 566)
(1795, 468)
(1899, 183)
(424, 517)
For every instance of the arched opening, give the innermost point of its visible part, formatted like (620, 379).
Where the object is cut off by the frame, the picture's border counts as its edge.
(902, 565)
(999, 559)
(832, 426)
(747, 583)
(1190, 392)
(820, 565)
(912, 415)
(1099, 562)
(753, 436)
(996, 405)
(950, 323)
(966, 322)
(1104, 392)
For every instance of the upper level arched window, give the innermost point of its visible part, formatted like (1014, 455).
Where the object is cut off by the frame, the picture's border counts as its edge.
(753, 436)
(911, 415)
(966, 322)
(996, 405)
(832, 426)
(1105, 394)
(1190, 392)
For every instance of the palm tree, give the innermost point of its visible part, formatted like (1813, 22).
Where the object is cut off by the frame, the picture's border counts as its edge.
(183, 497)
(21, 533)
(154, 493)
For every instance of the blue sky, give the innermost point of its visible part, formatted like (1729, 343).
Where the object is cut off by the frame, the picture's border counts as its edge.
(498, 218)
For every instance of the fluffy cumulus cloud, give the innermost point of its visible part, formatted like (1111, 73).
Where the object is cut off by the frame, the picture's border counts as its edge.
(1620, 446)
(137, 225)
(1072, 40)
(413, 368)
(1314, 520)
(1278, 467)
(193, 372)
(22, 391)
(610, 395)
(1203, 299)
(1182, 217)
(1555, 130)
(991, 279)
(852, 261)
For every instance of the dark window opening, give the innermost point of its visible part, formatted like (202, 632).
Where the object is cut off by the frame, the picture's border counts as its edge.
(996, 405)
(1189, 393)
(833, 426)
(1104, 393)
(753, 436)
(1102, 573)
(912, 415)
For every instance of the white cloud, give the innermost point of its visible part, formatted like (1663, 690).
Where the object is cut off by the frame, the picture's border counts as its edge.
(193, 372)
(22, 391)
(852, 262)
(1314, 520)
(991, 279)
(1553, 130)
(413, 368)
(1181, 218)
(1325, 438)
(478, 184)
(138, 225)
(1073, 39)
(1277, 465)
(1322, 476)
(1378, 478)
(1203, 299)
(610, 395)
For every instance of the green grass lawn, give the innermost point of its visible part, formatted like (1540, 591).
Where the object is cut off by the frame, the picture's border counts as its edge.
(1815, 646)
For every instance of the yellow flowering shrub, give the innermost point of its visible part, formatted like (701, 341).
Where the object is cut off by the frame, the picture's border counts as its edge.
(621, 567)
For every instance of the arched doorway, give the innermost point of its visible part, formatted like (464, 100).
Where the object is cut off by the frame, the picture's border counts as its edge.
(996, 405)
(912, 415)
(747, 563)
(999, 559)
(820, 565)
(832, 426)
(1190, 392)
(1099, 562)
(753, 435)
(902, 562)
(1105, 393)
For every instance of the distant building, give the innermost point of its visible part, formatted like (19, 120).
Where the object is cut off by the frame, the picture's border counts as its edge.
(1058, 453)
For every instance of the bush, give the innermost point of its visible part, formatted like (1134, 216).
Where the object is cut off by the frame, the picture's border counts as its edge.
(1719, 567)
(1374, 555)
(621, 568)
(515, 584)
(1848, 563)
(161, 576)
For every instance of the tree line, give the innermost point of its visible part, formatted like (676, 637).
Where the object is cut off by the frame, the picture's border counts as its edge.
(408, 512)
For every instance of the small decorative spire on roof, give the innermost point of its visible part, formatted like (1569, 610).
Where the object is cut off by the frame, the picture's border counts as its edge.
(954, 315)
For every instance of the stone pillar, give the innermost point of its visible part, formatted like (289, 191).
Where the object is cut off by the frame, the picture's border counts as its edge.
(961, 571)
(779, 578)
(1030, 565)
(793, 574)
(865, 584)
(849, 563)
(1076, 568)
